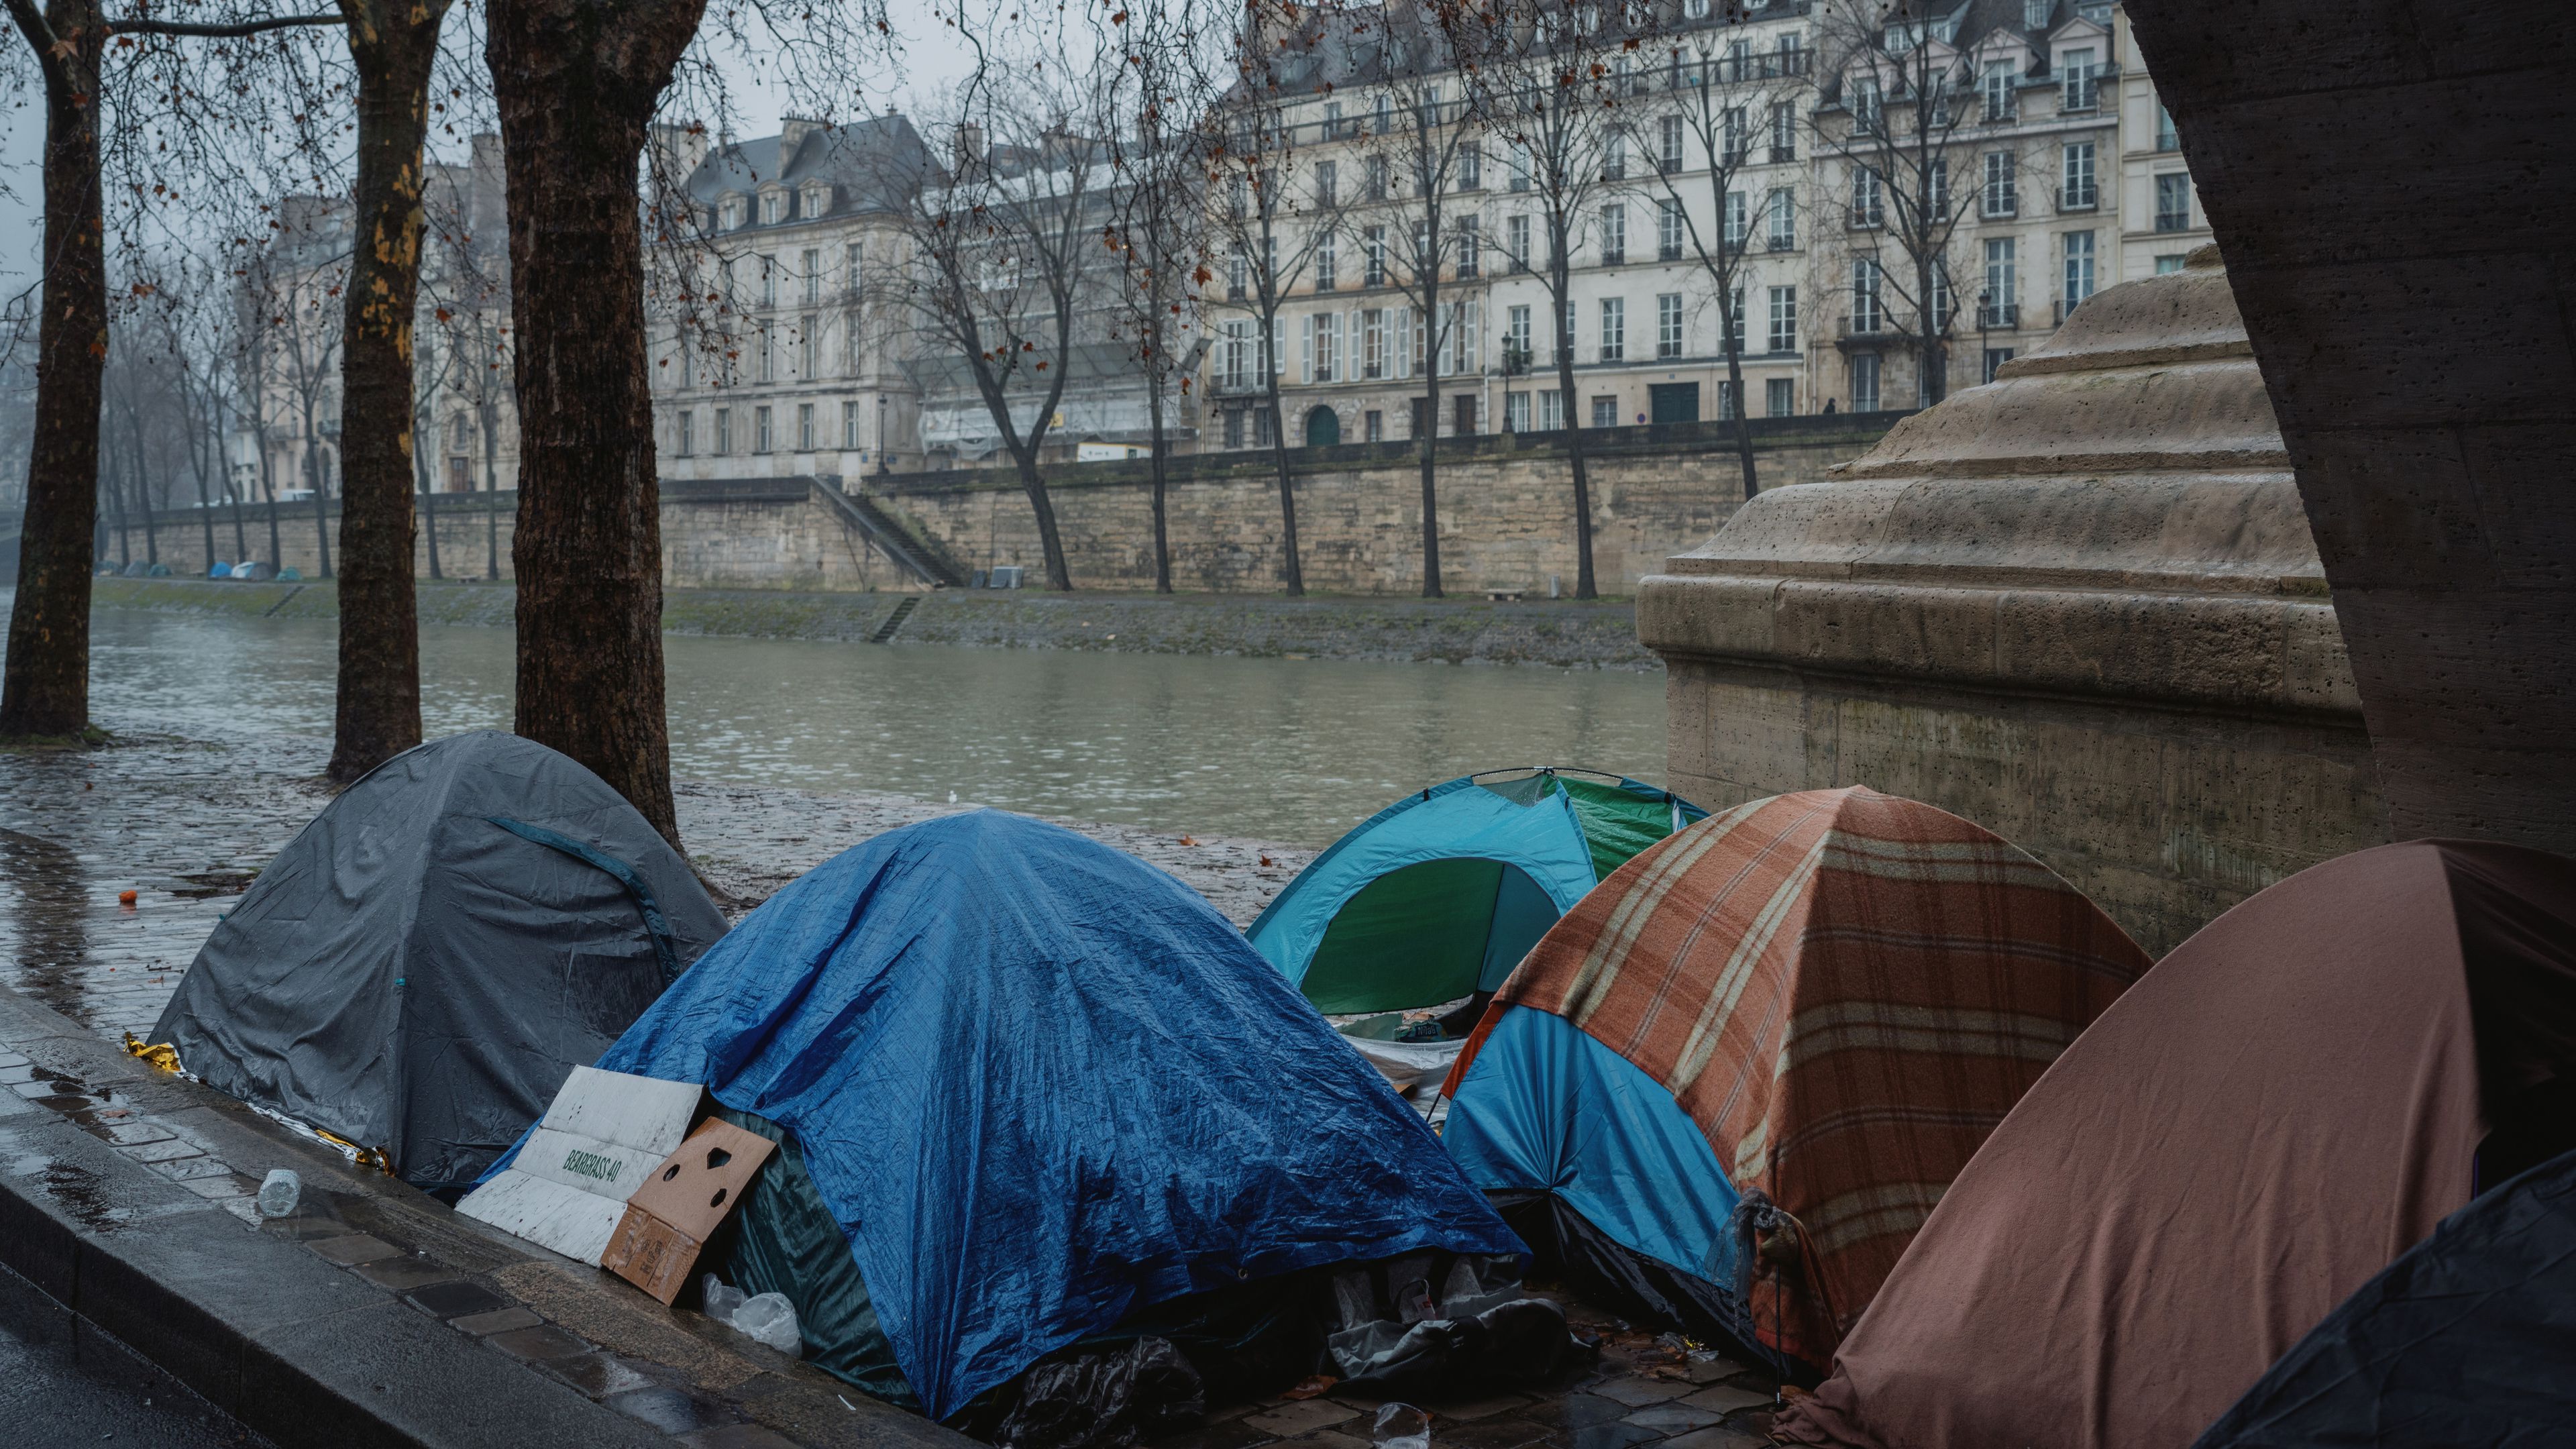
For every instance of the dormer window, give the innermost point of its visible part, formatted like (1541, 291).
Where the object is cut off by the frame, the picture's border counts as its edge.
(2034, 13)
(2081, 75)
(773, 207)
(814, 200)
(731, 207)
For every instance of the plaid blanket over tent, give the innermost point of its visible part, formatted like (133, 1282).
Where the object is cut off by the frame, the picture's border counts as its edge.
(1845, 991)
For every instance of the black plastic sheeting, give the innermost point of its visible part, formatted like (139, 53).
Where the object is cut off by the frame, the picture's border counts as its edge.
(1609, 1275)
(420, 969)
(1104, 1398)
(2467, 1340)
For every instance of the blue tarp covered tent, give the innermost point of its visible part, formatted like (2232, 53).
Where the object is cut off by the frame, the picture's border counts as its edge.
(2468, 1338)
(1039, 1084)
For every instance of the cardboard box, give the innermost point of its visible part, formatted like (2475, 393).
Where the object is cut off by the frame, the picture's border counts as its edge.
(602, 1138)
(679, 1206)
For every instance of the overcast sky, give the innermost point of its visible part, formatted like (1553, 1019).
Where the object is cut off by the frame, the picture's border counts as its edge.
(932, 58)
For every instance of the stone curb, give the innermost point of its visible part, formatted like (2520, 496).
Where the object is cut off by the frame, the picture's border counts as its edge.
(368, 1318)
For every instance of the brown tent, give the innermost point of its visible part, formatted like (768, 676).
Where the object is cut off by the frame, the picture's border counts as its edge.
(1827, 998)
(2294, 1097)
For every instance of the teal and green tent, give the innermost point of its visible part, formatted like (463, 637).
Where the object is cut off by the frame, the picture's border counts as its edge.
(1439, 895)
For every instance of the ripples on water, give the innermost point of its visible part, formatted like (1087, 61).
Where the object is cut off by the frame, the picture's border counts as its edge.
(1286, 750)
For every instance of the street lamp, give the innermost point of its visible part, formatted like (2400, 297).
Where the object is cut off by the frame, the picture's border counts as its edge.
(882, 469)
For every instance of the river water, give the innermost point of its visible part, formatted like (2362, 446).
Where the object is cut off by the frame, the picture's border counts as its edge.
(1293, 751)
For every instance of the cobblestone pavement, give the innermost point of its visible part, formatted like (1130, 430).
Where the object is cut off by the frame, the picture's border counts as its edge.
(186, 824)
(1645, 1389)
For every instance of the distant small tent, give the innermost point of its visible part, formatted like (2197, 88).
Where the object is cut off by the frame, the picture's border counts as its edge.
(1439, 895)
(2468, 1338)
(1811, 1008)
(1029, 1090)
(2286, 1104)
(420, 969)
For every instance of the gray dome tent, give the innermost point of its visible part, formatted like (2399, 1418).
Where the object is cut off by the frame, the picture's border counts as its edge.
(423, 966)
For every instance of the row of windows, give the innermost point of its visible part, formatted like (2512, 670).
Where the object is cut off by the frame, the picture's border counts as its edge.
(1537, 409)
(1393, 342)
(809, 275)
(812, 200)
(759, 437)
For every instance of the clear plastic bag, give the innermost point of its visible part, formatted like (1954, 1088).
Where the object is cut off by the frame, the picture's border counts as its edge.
(1402, 1426)
(767, 1319)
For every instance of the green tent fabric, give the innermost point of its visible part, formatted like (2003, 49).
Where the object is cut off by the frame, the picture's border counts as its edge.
(783, 1240)
(1441, 894)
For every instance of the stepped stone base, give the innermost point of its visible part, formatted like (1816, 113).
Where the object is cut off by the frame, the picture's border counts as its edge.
(2079, 606)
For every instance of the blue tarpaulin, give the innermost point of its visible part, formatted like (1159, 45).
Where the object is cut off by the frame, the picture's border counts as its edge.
(1039, 1083)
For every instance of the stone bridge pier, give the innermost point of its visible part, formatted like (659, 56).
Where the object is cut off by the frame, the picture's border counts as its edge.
(2393, 183)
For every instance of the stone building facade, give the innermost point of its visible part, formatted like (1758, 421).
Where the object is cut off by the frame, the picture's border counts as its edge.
(778, 337)
(2064, 177)
(465, 424)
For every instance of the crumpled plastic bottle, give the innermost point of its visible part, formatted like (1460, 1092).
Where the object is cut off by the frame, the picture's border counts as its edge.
(278, 1193)
(1402, 1426)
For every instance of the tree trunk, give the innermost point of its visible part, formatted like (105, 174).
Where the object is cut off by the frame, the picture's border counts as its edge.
(241, 533)
(205, 501)
(492, 490)
(141, 471)
(576, 85)
(428, 506)
(1050, 544)
(392, 45)
(321, 501)
(1431, 433)
(1162, 535)
(268, 485)
(1735, 384)
(1295, 571)
(1584, 587)
(1935, 381)
(44, 686)
(111, 477)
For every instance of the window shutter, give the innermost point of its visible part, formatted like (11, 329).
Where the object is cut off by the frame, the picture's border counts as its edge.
(1306, 348)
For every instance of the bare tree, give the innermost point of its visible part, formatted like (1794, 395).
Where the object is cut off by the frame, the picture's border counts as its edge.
(1423, 165)
(1007, 247)
(44, 685)
(1157, 202)
(393, 50)
(1898, 93)
(1737, 111)
(1277, 210)
(1565, 86)
(466, 281)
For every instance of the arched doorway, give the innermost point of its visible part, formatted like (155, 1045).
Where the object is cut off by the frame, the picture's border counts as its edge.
(2389, 229)
(1323, 428)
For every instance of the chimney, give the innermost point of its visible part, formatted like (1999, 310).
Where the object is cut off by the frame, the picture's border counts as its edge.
(792, 131)
(970, 144)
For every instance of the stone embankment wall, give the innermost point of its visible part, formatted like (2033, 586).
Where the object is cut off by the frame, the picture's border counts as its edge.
(1560, 634)
(1506, 517)
(1506, 508)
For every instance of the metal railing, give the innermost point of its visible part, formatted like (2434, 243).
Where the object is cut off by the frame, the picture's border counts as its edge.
(2002, 315)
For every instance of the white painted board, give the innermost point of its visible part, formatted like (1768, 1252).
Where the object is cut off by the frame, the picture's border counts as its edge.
(568, 1187)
